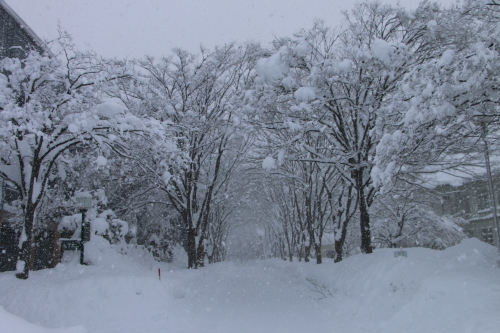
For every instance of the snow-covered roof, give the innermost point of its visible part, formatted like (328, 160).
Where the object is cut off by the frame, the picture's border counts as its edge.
(22, 25)
(472, 169)
(454, 178)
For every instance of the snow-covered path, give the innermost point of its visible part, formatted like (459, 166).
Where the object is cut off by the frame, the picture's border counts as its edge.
(240, 298)
(456, 290)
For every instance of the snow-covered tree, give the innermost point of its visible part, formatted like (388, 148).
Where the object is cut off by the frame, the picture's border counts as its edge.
(49, 105)
(200, 96)
(403, 217)
(335, 84)
(436, 116)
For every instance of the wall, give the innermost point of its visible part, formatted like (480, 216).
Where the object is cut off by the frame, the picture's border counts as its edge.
(472, 202)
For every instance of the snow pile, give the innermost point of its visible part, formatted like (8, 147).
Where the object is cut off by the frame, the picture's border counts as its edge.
(70, 223)
(112, 295)
(14, 324)
(99, 226)
(455, 290)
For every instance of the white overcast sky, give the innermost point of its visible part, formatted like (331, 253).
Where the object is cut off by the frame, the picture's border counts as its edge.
(133, 28)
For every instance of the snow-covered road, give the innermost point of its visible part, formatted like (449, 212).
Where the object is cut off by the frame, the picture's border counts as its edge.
(456, 290)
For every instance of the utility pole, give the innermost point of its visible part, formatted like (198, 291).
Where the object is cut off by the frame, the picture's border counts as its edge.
(490, 184)
(2, 192)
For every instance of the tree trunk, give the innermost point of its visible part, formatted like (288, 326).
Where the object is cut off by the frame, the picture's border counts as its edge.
(366, 238)
(339, 243)
(214, 256)
(282, 250)
(55, 247)
(200, 253)
(364, 218)
(27, 253)
(312, 240)
(191, 248)
(317, 247)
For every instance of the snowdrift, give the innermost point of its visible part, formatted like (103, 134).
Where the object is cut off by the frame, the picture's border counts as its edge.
(455, 290)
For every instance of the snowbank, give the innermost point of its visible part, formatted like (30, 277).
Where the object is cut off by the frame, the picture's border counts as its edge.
(14, 324)
(455, 290)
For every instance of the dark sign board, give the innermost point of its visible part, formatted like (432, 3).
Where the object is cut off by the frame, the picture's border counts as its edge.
(86, 231)
(70, 245)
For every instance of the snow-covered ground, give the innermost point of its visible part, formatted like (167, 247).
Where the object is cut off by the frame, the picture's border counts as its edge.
(456, 290)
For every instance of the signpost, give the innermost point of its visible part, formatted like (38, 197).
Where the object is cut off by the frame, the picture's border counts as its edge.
(70, 244)
(84, 202)
(85, 231)
(400, 253)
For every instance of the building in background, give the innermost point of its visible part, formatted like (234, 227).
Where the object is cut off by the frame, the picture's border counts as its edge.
(16, 37)
(472, 202)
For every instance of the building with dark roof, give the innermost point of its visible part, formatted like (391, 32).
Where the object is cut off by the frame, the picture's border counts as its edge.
(16, 37)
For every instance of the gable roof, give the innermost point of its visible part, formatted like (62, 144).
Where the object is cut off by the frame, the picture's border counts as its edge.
(13, 30)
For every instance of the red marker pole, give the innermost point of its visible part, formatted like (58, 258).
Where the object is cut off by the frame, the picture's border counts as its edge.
(159, 274)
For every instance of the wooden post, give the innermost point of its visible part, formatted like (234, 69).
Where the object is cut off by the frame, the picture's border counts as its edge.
(82, 249)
